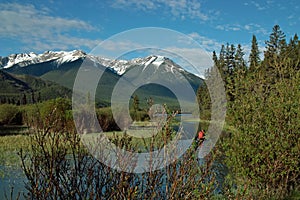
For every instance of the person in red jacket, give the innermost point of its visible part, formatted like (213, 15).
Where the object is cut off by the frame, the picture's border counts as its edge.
(201, 135)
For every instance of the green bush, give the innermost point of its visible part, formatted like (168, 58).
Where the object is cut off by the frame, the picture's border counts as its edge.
(106, 119)
(139, 115)
(10, 114)
(55, 113)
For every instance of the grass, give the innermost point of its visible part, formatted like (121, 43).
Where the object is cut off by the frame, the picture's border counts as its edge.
(10, 146)
(141, 134)
(138, 144)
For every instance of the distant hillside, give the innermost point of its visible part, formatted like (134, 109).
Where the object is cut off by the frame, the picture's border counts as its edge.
(24, 88)
(11, 85)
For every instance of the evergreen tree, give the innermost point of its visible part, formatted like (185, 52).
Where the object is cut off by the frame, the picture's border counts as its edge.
(230, 61)
(274, 55)
(229, 67)
(24, 99)
(204, 101)
(39, 98)
(215, 58)
(221, 63)
(237, 79)
(254, 55)
(136, 107)
(32, 97)
(136, 103)
(275, 45)
(240, 64)
(293, 51)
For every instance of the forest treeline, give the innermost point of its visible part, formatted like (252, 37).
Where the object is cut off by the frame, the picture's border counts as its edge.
(43, 114)
(263, 107)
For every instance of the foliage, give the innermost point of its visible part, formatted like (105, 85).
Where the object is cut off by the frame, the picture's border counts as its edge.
(262, 152)
(254, 58)
(10, 114)
(55, 114)
(204, 102)
(106, 119)
(10, 146)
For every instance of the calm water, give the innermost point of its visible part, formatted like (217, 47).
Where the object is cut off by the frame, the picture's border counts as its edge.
(14, 177)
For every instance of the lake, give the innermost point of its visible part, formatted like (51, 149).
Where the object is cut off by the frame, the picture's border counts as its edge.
(11, 177)
(14, 177)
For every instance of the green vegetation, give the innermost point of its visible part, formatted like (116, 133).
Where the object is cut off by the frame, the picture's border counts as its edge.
(262, 149)
(9, 114)
(25, 89)
(9, 148)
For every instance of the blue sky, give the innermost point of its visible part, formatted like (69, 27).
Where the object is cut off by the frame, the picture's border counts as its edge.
(38, 26)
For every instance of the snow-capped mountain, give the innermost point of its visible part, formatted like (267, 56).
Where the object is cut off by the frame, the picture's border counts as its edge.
(25, 59)
(61, 57)
(61, 67)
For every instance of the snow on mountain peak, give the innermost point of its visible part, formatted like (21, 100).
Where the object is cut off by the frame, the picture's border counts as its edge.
(117, 65)
(121, 66)
(25, 59)
(17, 58)
(70, 56)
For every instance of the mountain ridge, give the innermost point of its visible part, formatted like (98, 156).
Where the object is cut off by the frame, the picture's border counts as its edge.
(62, 67)
(118, 66)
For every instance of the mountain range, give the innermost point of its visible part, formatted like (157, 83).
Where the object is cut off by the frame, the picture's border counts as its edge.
(58, 69)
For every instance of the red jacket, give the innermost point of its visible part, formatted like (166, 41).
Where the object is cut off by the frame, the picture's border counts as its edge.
(201, 135)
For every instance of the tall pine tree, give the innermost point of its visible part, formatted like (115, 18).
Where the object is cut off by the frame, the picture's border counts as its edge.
(254, 58)
(275, 45)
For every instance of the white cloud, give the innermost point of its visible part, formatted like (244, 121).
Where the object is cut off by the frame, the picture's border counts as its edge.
(258, 6)
(251, 27)
(198, 59)
(247, 27)
(181, 9)
(205, 42)
(140, 5)
(256, 29)
(229, 27)
(39, 30)
(58, 42)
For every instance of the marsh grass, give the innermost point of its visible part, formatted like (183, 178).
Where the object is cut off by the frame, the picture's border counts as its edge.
(9, 148)
(10, 145)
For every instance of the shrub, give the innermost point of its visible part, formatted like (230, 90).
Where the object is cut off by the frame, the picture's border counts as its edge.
(10, 114)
